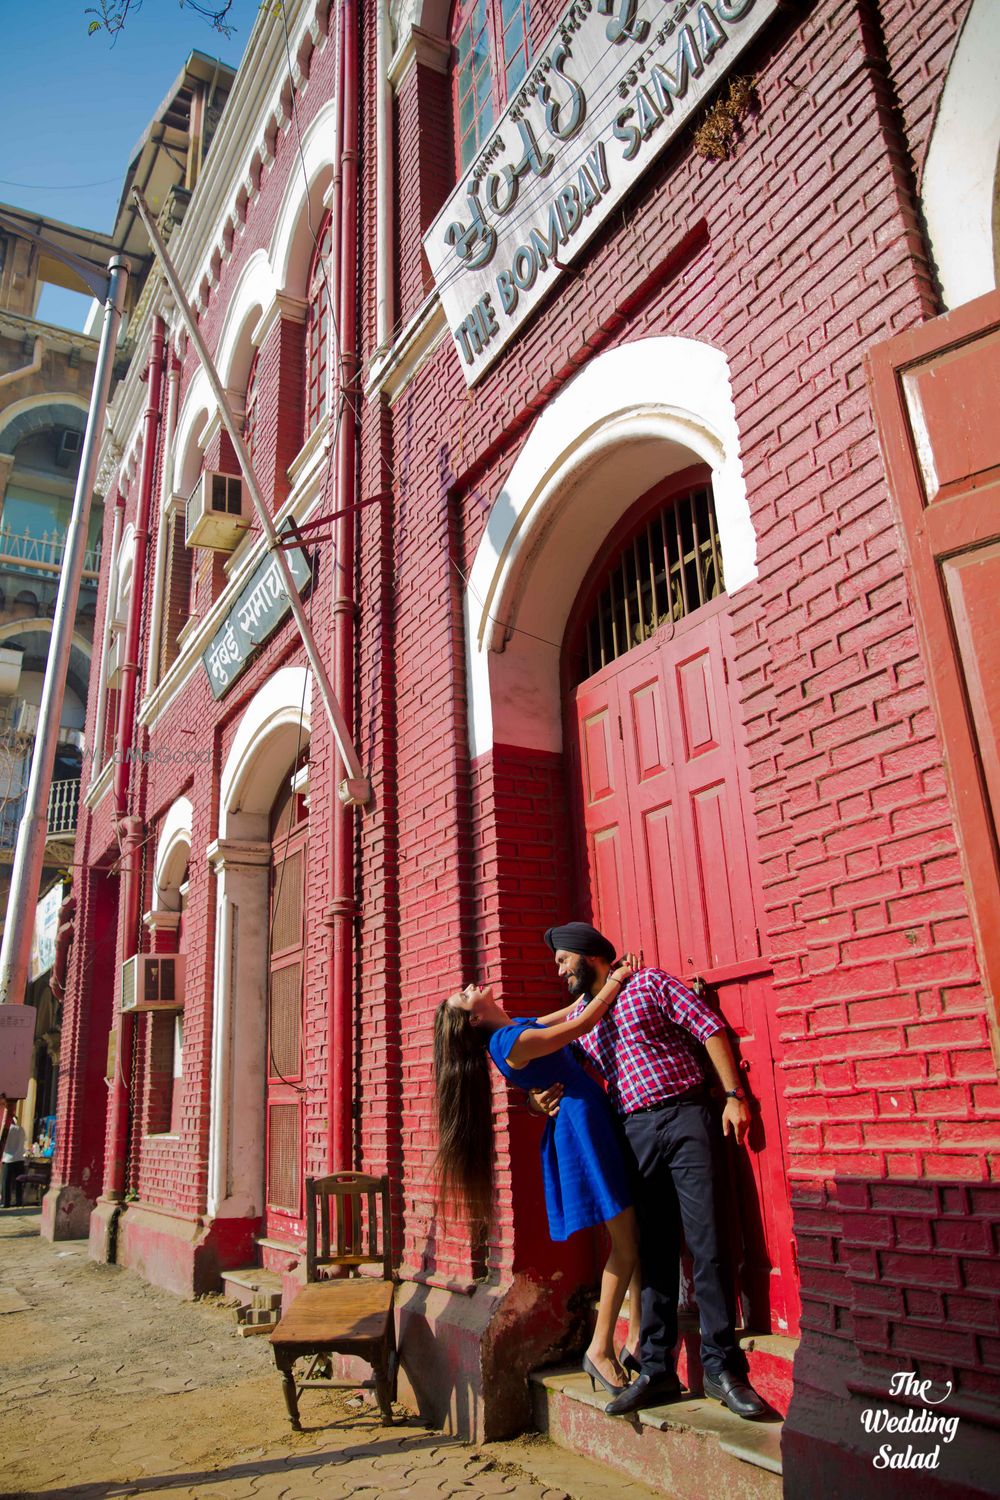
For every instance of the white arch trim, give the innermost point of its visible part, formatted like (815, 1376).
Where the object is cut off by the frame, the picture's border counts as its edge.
(959, 186)
(41, 623)
(198, 404)
(49, 398)
(174, 835)
(632, 416)
(252, 295)
(317, 152)
(247, 791)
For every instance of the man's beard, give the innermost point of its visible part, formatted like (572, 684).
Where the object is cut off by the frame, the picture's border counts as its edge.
(581, 981)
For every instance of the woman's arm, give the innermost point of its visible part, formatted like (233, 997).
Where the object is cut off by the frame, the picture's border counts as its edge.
(555, 1016)
(543, 1042)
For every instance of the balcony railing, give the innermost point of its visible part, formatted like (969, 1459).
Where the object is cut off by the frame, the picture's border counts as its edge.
(64, 800)
(64, 803)
(44, 554)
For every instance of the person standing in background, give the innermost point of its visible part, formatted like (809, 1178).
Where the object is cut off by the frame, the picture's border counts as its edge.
(13, 1165)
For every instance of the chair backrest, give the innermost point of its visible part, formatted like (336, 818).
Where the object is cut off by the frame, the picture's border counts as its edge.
(348, 1223)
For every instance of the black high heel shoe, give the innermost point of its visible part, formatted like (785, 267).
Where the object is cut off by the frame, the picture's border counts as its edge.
(629, 1361)
(589, 1368)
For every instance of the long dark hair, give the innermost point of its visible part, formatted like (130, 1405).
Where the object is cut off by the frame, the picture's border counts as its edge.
(464, 1164)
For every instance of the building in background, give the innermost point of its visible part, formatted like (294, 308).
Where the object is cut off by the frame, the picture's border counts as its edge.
(46, 376)
(649, 545)
(46, 373)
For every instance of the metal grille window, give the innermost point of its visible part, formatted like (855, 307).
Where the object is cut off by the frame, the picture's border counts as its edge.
(318, 327)
(669, 568)
(283, 1157)
(285, 1016)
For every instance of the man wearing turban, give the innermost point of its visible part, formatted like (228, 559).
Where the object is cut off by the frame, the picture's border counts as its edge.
(647, 1051)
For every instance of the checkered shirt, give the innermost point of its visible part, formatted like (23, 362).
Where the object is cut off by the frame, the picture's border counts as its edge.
(644, 1047)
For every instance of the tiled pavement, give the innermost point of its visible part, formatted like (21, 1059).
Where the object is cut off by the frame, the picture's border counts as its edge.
(110, 1387)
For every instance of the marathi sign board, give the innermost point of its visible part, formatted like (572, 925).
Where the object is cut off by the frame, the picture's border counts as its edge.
(43, 938)
(257, 613)
(17, 1041)
(613, 84)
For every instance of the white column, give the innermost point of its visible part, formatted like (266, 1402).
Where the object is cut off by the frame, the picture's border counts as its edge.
(239, 1029)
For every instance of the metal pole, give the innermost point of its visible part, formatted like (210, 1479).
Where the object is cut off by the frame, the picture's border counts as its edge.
(29, 855)
(356, 789)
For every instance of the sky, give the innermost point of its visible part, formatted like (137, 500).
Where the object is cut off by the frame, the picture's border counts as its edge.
(74, 106)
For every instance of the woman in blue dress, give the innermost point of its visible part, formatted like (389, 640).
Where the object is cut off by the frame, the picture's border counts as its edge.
(582, 1163)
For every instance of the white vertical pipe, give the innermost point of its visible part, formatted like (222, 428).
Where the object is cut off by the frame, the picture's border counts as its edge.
(384, 310)
(97, 748)
(166, 490)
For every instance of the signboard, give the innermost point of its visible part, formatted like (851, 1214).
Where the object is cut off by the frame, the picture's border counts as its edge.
(43, 938)
(612, 86)
(17, 1041)
(255, 616)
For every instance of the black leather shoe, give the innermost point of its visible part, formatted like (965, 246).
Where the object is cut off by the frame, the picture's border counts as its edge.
(629, 1361)
(736, 1392)
(645, 1392)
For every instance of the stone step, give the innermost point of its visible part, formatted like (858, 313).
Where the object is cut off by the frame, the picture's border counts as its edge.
(257, 1295)
(769, 1358)
(689, 1449)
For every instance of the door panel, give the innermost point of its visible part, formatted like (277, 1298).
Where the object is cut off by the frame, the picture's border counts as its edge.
(671, 874)
(285, 1067)
(935, 391)
(973, 585)
(605, 808)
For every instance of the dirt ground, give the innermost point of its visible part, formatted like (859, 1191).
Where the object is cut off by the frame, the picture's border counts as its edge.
(111, 1387)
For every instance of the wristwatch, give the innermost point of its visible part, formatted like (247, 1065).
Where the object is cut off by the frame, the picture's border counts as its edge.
(735, 1094)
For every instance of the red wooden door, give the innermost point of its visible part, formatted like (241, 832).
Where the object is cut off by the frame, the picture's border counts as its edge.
(284, 1177)
(936, 393)
(668, 871)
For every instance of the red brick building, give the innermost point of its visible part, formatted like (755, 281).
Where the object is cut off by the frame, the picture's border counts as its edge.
(657, 587)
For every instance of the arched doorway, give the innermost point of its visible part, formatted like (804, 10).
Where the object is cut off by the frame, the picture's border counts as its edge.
(659, 791)
(285, 1065)
(638, 432)
(271, 739)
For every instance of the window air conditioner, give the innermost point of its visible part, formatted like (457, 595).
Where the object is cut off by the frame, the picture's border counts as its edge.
(70, 444)
(215, 515)
(153, 981)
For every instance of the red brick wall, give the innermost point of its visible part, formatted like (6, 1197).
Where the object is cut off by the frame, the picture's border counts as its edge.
(792, 258)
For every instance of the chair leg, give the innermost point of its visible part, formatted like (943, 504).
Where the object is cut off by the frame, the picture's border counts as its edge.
(383, 1391)
(290, 1393)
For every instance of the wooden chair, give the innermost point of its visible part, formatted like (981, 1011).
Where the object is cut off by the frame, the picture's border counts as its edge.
(348, 1314)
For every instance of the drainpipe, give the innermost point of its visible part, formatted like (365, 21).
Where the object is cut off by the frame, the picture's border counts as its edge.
(97, 748)
(130, 829)
(341, 912)
(12, 376)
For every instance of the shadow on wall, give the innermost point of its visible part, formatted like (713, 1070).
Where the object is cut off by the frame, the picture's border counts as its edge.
(466, 1350)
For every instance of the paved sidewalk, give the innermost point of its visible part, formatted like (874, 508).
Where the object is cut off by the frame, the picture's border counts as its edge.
(111, 1387)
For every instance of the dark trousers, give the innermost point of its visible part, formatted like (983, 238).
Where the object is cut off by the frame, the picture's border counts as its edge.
(676, 1151)
(10, 1171)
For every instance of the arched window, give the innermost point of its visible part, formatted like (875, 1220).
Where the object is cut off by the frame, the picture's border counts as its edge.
(318, 329)
(669, 567)
(485, 74)
(250, 419)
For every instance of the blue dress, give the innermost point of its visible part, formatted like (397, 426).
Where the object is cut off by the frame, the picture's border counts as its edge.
(582, 1163)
